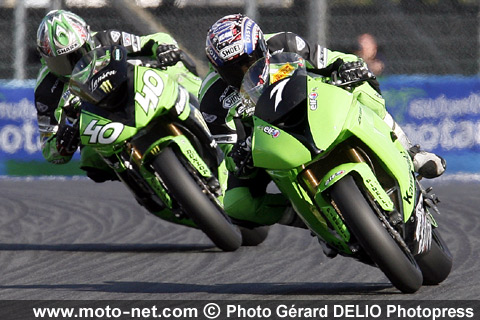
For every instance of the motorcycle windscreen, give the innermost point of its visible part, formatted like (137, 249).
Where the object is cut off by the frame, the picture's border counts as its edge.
(281, 98)
(328, 108)
(274, 148)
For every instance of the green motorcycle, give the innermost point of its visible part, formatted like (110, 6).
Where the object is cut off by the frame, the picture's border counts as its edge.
(344, 172)
(146, 128)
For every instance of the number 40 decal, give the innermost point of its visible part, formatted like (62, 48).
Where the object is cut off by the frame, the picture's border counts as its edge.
(103, 134)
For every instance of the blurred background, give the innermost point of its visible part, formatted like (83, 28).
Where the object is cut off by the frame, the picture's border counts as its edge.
(410, 36)
(426, 54)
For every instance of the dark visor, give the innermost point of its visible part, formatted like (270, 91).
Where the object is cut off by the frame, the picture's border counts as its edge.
(233, 71)
(63, 65)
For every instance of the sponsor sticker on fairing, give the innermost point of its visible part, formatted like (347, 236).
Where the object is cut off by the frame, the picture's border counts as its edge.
(285, 71)
(333, 176)
(312, 101)
(95, 82)
(271, 131)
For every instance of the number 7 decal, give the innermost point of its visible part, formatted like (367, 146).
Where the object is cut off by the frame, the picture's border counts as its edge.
(278, 90)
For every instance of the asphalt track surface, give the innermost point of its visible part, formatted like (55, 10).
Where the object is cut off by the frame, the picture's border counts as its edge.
(79, 240)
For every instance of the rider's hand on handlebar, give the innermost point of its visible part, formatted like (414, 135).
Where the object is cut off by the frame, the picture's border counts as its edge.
(168, 55)
(241, 154)
(72, 106)
(354, 73)
(68, 137)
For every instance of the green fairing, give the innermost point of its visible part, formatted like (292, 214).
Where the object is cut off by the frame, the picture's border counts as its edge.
(328, 113)
(335, 115)
(149, 104)
(330, 126)
(177, 72)
(156, 94)
(268, 140)
(368, 177)
(187, 149)
(155, 98)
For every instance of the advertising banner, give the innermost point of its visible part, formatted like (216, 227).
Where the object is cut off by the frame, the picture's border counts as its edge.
(441, 113)
(20, 149)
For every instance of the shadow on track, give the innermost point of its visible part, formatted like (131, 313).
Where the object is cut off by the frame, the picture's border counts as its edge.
(104, 247)
(267, 289)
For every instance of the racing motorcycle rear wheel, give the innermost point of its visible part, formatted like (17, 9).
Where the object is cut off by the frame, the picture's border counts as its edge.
(436, 263)
(399, 267)
(207, 215)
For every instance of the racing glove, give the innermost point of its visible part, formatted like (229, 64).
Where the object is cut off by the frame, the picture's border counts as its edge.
(168, 55)
(68, 137)
(354, 73)
(72, 107)
(241, 155)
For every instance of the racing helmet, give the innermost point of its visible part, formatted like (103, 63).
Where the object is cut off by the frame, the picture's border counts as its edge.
(100, 77)
(62, 39)
(233, 44)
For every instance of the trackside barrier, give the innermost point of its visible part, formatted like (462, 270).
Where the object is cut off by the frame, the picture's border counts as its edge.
(20, 151)
(441, 113)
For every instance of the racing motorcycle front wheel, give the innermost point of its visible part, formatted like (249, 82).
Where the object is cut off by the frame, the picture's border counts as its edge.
(399, 266)
(207, 215)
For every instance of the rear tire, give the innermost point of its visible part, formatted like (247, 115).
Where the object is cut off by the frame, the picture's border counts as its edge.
(401, 270)
(435, 264)
(207, 215)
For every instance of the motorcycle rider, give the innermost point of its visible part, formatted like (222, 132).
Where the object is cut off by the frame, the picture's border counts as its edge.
(233, 44)
(63, 38)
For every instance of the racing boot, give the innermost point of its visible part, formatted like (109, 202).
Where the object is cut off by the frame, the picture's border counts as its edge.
(427, 164)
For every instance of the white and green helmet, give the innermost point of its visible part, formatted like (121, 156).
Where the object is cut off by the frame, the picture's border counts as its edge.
(62, 39)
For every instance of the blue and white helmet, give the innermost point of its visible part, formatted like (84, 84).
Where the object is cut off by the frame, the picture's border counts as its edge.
(233, 44)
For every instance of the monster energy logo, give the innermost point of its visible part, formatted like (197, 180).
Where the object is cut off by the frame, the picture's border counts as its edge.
(107, 74)
(106, 86)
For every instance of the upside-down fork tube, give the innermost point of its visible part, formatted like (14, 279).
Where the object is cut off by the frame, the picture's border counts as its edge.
(312, 181)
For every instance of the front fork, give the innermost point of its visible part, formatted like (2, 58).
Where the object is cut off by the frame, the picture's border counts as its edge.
(312, 181)
(321, 175)
(315, 183)
(213, 176)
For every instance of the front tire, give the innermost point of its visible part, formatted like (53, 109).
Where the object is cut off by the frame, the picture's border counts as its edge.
(207, 215)
(401, 270)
